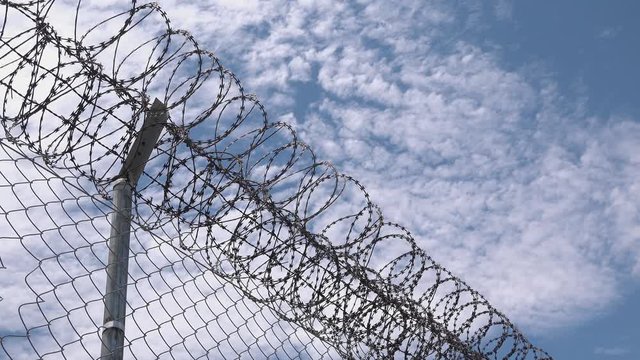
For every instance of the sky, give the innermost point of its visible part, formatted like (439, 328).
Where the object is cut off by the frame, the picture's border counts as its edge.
(503, 135)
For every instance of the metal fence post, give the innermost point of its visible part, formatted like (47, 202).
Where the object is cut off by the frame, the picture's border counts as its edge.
(115, 298)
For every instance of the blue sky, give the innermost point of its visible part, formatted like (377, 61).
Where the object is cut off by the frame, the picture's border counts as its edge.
(589, 47)
(503, 135)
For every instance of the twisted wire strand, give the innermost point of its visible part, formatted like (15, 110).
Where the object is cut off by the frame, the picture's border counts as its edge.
(230, 193)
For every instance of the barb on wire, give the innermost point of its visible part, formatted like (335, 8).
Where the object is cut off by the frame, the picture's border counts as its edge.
(245, 244)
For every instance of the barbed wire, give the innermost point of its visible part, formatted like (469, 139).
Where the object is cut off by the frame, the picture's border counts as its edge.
(245, 244)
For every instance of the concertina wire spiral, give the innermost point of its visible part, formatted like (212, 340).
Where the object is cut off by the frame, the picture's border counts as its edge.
(287, 230)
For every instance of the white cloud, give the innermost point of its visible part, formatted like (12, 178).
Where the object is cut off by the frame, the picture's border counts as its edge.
(611, 351)
(609, 33)
(504, 180)
(503, 9)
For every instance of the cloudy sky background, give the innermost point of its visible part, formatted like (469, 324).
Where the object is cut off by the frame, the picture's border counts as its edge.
(503, 135)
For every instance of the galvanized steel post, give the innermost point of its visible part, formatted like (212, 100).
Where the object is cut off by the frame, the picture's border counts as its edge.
(115, 297)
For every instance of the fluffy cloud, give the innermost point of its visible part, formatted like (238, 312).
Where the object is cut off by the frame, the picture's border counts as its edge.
(503, 179)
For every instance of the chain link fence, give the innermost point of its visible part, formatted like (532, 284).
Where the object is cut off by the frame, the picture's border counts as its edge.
(243, 243)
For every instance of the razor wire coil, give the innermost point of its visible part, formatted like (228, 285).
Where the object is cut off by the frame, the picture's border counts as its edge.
(245, 245)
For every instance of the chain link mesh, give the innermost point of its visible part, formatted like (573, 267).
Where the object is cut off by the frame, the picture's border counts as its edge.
(243, 243)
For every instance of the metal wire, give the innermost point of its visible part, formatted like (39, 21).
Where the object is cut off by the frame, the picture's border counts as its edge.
(244, 244)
